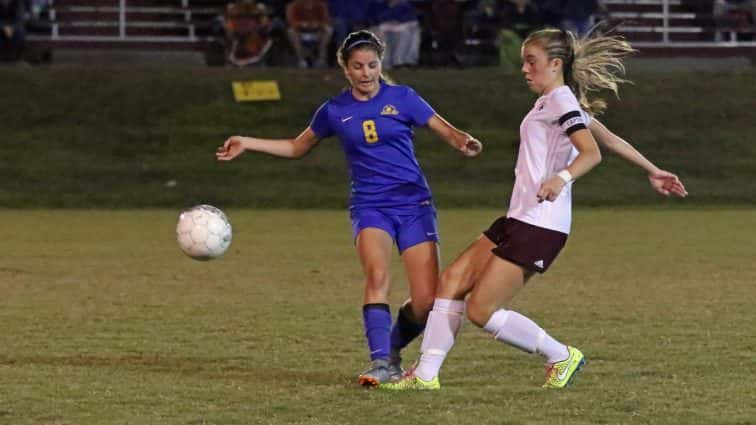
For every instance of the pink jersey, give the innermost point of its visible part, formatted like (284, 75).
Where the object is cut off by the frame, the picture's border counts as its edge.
(545, 150)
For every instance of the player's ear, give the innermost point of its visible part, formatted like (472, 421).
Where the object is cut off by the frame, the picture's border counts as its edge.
(558, 63)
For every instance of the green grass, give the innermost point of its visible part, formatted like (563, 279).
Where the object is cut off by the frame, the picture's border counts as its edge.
(79, 137)
(106, 322)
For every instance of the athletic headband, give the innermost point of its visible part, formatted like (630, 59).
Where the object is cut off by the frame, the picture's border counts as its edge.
(358, 42)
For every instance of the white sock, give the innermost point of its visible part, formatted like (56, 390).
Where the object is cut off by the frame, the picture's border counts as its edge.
(520, 332)
(443, 324)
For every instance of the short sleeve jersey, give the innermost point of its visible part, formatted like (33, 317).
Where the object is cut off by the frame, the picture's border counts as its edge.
(377, 138)
(545, 149)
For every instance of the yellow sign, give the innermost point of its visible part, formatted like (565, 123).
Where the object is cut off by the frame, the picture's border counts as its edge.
(250, 91)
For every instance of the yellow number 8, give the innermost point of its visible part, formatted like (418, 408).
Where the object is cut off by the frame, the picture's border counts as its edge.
(368, 127)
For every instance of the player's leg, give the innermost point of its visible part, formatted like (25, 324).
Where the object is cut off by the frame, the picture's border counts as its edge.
(528, 249)
(445, 319)
(421, 263)
(497, 286)
(458, 278)
(417, 240)
(374, 234)
(374, 247)
(457, 281)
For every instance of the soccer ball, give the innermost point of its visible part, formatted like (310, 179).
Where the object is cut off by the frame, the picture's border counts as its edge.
(203, 232)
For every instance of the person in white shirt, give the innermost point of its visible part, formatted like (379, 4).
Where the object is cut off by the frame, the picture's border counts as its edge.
(557, 146)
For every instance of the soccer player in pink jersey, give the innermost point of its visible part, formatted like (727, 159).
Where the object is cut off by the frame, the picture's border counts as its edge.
(557, 146)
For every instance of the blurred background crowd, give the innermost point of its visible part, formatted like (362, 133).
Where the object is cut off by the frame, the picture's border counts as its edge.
(306, 33)
(312, 29)
(428, 33)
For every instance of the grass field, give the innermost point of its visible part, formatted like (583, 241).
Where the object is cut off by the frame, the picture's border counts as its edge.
(106, 322)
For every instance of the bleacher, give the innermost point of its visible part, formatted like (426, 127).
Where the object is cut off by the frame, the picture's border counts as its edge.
(183, 24)
(660, 26)
(676, 27)
(646, 21)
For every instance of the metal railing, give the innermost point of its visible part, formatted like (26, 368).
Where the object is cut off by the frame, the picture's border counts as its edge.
(667, 30)
(123, 21)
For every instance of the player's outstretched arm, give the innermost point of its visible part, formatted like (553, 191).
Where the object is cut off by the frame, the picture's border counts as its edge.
(463, 142)
(286, 148)
(662, 181)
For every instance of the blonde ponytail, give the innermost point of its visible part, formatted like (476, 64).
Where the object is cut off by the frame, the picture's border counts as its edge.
(591, 64)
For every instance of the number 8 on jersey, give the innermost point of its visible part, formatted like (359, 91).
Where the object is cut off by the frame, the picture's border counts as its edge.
(368, 128)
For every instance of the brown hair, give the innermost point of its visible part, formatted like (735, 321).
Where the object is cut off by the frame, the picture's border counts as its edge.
(362, 39)
(359, 40)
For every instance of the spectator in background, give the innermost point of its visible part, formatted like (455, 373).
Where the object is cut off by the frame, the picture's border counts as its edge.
(521, 17)
(733, 15)
(276, 11)
(247, 27)
(483, 20)
(347, 16)
(276, 8)
(445, 27)
(395, 21)
(12, 29)
(518, 19)
(577, 16)
(279, 52)
(37, 7)
(309, 21)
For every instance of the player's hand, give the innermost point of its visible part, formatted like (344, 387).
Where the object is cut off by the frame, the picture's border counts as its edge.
(231, 148)
(550, 189)
(667, 183)
(472, 147)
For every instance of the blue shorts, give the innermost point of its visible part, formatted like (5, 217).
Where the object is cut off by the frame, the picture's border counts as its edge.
(407, 229)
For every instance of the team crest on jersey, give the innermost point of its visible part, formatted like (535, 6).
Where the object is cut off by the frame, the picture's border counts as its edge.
(389, 110)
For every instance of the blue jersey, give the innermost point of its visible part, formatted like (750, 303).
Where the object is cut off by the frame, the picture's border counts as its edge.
(377, 139)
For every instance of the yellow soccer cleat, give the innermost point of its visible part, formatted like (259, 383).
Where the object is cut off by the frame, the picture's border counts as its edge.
(411, 382)
(559, 374)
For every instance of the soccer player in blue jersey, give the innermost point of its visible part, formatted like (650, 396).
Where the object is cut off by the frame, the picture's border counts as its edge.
(390, 201)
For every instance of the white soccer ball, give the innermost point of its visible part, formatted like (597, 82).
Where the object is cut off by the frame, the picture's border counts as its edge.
(203, 232)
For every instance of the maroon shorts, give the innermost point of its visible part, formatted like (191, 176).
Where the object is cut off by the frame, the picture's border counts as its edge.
(531, 247)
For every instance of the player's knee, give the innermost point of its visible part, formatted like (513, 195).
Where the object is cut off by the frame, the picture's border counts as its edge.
(420, 307)
(453, 284)
(477, 313)
(377, 279)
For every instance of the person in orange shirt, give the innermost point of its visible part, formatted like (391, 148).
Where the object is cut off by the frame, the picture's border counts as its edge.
(248, 29)
(309, 20)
